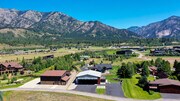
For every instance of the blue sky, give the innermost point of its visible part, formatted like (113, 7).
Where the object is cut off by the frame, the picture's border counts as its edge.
(117, 13)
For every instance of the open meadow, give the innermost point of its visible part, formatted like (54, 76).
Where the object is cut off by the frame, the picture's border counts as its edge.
(57, 53)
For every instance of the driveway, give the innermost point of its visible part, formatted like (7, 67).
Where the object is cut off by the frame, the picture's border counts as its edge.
(114, 89)
(86, 88)
(170, 96)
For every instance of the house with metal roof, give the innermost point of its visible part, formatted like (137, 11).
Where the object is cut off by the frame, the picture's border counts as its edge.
(88, 77)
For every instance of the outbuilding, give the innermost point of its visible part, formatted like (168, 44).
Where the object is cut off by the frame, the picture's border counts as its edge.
(88, 77)
(55, 77)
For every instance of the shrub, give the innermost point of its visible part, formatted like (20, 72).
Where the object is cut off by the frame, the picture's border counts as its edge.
(151, 92)
(142, 82)
(4, 77)
(13, 79)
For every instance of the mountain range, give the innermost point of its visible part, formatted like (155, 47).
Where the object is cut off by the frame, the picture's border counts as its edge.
(57, 23)
(22, 24)
(168, 28)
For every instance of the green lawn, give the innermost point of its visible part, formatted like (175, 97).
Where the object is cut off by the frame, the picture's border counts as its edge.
(100, 90)
(111, 52)
(14, 85)
(131, 90)
(112, 77)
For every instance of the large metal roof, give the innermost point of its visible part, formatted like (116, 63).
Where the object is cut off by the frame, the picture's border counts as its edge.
(89, 72)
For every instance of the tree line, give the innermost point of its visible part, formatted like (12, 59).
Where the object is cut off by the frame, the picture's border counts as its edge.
(59, 63)
(127, 70)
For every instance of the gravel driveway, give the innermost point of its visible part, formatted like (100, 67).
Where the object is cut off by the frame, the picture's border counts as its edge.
(86, 88)
(114, 89)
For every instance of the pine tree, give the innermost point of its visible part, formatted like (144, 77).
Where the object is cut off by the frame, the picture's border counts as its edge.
(122, 71)
(175, 64)
(158, 62)
(152, 62)
(177, 69)
(142, 81)
(126, 70)
(145, 70)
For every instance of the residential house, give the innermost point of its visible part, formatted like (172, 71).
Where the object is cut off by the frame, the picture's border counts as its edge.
(55, 77)
(124, 52)
(101, 67)
(165, 86)
(10, 67)
(153, 70)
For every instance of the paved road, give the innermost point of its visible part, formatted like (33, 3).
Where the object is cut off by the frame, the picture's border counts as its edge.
(114, 89)
(86, 88)
(107, 97)
(170, 96)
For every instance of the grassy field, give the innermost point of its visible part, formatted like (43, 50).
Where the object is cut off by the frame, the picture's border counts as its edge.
(111, 52)
(14, 85)
(100, 91)
(59, 52)
(45, 96)
(131, 90)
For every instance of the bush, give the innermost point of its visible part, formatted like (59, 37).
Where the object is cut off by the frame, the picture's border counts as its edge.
(142, 82)
(151, 92)
(4, 77)
(13, 79)
(173, 77)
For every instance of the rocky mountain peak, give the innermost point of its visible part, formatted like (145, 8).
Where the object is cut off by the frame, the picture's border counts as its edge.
(169, 27)
(58, 23)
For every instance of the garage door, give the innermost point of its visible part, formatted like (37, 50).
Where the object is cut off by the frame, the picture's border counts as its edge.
(87, 82)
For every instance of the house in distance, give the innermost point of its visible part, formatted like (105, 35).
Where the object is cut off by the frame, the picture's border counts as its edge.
(48, 57)
(101, 67)
(10, 67)
(124, 52)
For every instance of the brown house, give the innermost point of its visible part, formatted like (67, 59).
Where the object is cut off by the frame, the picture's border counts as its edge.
(10, 67)
(165, 86)
(153, 70)
(55, 77)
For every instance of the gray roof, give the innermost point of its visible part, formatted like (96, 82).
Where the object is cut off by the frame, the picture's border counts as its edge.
(101, 66)
(89, 72)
